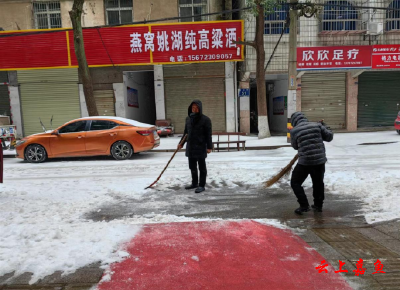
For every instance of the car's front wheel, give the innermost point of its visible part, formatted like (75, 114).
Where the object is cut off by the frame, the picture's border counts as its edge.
(121, 150)
(35, 153)
(398, 132)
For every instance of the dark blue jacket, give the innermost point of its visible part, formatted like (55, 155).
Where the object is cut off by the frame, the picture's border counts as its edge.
(199, 133)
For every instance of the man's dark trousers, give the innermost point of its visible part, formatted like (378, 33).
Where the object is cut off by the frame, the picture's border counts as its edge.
(300, 174)
(202, 168)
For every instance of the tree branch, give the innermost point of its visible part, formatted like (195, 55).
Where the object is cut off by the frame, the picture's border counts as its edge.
(252, 44)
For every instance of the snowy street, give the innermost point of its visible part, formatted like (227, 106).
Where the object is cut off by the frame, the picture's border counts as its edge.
(62, 215)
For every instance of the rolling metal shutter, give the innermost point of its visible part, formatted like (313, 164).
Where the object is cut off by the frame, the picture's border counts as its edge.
(378, 96)
(45, 93)
(323, 96)
(105, 102)
(205, 82)
(4, 97)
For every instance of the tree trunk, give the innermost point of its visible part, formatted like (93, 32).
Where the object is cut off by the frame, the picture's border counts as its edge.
(83, 68)
(263, 126)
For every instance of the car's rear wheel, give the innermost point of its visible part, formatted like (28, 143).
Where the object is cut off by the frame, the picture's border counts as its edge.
(35, 153)
(121, 150)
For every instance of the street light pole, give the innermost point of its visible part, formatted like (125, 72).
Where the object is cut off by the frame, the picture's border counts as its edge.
(292, 65)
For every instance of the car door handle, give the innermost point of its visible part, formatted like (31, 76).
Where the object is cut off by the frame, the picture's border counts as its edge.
(79, 137)
(113, 134)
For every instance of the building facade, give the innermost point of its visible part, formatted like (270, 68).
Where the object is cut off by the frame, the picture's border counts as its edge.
(347, 99)
(163, 91)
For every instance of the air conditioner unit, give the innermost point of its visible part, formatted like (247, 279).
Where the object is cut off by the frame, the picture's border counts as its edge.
(374, 28)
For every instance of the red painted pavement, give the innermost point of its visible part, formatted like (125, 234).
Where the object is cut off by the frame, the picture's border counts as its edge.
(220, 255)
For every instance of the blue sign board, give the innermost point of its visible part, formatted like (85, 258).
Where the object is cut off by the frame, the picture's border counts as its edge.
(244, 92)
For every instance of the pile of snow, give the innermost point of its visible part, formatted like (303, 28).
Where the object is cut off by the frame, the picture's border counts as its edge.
(42, 225)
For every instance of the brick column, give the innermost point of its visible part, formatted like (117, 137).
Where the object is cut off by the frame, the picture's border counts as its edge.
(351, 102)
(298, 95)
(244, 109)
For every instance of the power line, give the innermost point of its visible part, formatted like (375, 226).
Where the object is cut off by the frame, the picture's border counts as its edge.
(279, 40)
(104, 45)
(359, 7)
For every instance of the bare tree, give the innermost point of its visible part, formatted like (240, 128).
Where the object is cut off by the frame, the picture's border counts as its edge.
(83, 68)
(259, 8)
(263, 125)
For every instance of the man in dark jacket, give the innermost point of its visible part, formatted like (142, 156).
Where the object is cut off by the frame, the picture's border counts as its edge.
(199, 144)
(308, 138)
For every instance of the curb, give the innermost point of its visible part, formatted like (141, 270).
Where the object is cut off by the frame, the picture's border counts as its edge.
(221, 150)
(9, 156)
(232, 149)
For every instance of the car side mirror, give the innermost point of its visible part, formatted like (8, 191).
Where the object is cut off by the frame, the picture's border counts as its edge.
(55, 132)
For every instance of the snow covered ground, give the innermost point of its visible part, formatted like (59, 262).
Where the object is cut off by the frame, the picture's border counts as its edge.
(42, 206)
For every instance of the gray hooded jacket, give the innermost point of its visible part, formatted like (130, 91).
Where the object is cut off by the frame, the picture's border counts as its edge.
(308, 138)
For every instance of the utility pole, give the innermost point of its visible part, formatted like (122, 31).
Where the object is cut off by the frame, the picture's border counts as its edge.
(292, 66)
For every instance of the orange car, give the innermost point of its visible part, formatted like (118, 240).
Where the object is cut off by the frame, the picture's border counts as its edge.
(90, 136)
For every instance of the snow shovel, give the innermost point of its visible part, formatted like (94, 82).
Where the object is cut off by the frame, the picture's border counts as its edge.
(165, 168)
(284, 171)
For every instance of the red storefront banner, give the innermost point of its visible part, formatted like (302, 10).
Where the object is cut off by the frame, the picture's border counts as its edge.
(108, 46)
(171, 43)
(33, 50)
(385, 56)
(334, 57)
(193, 42)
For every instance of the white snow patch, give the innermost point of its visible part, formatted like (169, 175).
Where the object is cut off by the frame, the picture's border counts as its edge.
(107, 276)
(160, 218)
(125, 120)
(42, 133)
(273, 222)
(292, 258)
(309, 249)
(195, 258)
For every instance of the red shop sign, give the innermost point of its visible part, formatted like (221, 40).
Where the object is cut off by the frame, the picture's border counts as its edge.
(197, 42)
(210, 41)
(333, 57)
(162, 43)
(385, 56)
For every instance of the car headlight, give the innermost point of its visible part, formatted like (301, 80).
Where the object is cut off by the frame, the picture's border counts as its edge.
(19, 143)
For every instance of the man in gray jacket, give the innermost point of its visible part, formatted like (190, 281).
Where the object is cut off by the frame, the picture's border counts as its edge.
(308, 138)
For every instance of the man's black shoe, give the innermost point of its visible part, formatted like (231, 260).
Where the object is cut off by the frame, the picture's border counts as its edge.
(300, 210)
(316, 208)
(192, 186)
(199, 189)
